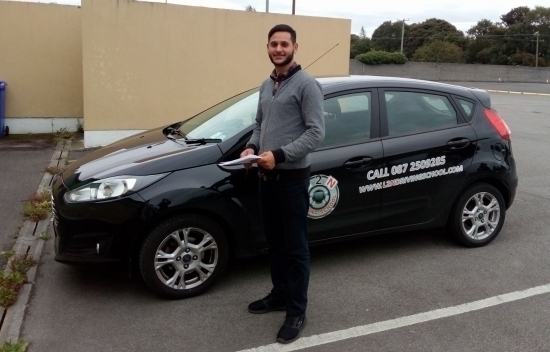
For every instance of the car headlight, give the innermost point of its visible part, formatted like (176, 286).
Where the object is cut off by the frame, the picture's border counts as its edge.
(110, 188)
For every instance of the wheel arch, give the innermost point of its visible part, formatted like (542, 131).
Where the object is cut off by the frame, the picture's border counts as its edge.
(234, 222)
(495, 182)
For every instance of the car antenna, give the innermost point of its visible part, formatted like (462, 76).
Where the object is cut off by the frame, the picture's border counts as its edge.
(322, 55)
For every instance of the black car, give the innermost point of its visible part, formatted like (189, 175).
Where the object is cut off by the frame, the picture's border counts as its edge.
(399, 154)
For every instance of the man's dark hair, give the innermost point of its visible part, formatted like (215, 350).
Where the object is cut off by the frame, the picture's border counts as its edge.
(283, 28)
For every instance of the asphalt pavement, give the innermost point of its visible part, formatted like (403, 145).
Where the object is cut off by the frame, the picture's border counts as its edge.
(22, 165)
(353, 284)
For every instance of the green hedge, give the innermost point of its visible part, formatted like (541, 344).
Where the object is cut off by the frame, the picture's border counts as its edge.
(381, 58)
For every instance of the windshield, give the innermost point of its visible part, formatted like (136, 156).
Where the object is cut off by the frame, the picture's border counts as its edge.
(224, 120)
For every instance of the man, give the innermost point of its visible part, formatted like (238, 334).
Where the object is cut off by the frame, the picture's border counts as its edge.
(289, 126)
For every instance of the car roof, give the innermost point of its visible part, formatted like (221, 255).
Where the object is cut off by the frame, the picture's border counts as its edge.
(333, 84)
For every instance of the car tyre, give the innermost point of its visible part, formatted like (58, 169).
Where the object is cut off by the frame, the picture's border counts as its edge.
(477, 216)
(184, 256)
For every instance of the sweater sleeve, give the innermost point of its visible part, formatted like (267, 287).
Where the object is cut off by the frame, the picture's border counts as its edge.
(254, 142)
(312, 114)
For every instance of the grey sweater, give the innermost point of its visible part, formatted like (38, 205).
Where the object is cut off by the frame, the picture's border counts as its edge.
(291, 120)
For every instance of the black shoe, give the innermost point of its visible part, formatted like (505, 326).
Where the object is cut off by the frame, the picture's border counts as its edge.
(267, 304)
(291, 329)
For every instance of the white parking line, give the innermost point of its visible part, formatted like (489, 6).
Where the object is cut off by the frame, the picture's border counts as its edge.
(509, 92)
(322, 339)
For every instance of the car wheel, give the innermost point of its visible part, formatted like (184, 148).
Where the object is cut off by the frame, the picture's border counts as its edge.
(478, 215)
(184, 256)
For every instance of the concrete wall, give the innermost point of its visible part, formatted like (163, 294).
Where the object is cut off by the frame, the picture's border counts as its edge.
(149, 64)
(41, 60)
(455, 72)
(127, 66)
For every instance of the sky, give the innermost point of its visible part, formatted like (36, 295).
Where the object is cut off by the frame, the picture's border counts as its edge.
(370, 14)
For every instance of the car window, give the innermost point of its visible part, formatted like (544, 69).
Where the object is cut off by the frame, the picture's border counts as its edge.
(414, 111)
(468, 108)
(347, 118)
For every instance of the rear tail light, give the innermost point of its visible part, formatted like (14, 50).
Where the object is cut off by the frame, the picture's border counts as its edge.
(498, 123)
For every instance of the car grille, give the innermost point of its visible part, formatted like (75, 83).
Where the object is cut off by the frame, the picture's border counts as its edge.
(89, 245)
(54, 218)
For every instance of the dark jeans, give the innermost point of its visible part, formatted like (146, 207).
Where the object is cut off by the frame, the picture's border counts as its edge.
(284, 205)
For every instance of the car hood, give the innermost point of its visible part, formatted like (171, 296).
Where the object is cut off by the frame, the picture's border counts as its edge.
(146, 153)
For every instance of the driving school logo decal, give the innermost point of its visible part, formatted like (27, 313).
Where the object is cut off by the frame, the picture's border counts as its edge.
(323, 196)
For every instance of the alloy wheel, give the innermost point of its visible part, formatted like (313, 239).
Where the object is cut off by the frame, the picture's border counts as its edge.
(480, 216)
(186, 258)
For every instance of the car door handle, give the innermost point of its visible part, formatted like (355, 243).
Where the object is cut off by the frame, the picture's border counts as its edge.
(458, 143)
(352, 164)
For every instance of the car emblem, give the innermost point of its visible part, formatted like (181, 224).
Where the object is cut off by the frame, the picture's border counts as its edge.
(323, 196)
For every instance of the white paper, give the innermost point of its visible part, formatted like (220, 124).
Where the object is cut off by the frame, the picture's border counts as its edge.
(249, 159)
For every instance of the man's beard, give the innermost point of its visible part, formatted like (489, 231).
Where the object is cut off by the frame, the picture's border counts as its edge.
(286, 61)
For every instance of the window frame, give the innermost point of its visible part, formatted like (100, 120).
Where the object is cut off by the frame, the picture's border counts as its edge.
(375, 116)
(456, 98)
(384, 130)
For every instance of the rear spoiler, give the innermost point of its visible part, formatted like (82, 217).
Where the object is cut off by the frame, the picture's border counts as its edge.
(483, 96)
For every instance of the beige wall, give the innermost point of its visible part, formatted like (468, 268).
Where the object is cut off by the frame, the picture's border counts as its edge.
(126, 65)
(148, 64)
(41, 59)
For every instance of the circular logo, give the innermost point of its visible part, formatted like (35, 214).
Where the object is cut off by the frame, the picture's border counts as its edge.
(323, 196)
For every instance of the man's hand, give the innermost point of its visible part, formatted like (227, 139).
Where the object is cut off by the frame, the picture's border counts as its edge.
(246, 152)
(267, 160)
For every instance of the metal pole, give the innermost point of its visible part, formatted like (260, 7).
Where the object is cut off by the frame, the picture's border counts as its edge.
(293, 7)
(266, 5)
(402, 35)
(537, 52)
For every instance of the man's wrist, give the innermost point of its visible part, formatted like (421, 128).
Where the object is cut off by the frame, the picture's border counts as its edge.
(279, 156)
(253, 147)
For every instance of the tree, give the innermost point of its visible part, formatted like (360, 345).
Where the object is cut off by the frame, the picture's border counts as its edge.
(363, 33)
(485, 43)
(250, 8)
(482, 28)
(387, 36)
(523, 59)
(432, 29)
(540, 19)
(540, 16)
(516, 15)
(360, 46)
(439, 51)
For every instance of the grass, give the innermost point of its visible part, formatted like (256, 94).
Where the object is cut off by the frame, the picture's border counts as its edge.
(45, 236)
(62, 135)
(7, 254)
(19, 346)
(38, 207)
(52, 170)
(21, 264)
(11, 283)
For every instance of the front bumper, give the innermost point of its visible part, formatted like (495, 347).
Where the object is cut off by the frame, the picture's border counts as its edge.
(97, 232)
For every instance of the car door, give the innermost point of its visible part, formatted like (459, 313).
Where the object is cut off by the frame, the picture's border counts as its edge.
(351, 149)
(428, 149)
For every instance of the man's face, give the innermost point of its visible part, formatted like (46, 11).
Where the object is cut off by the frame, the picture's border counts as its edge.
(280, 49)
